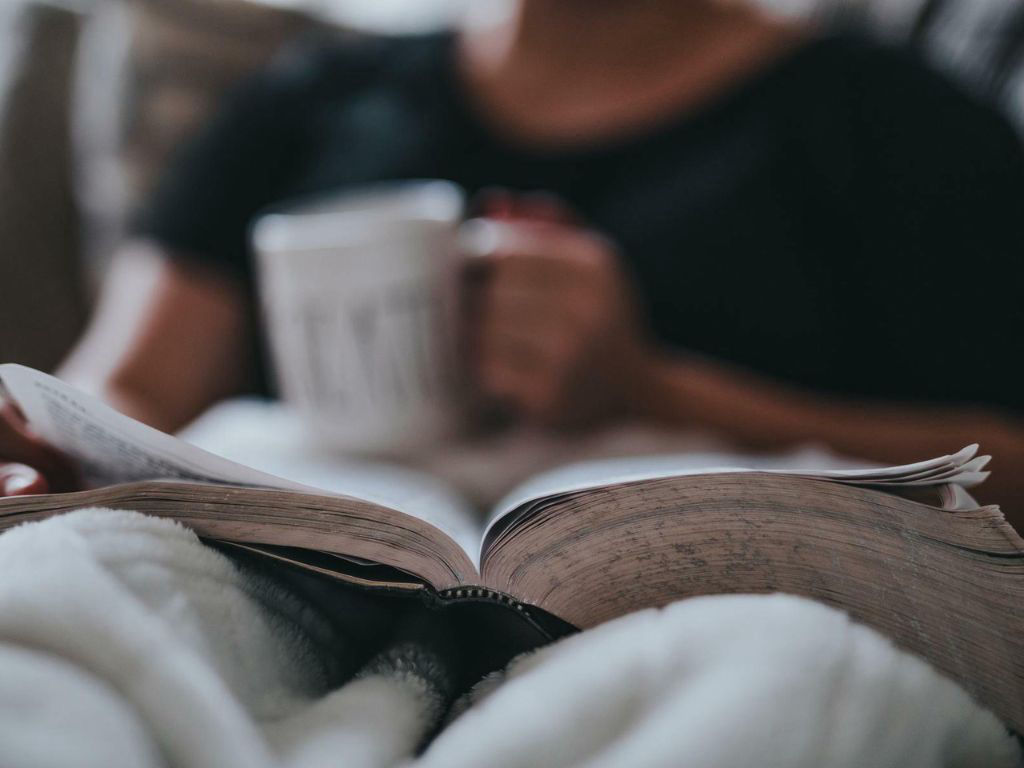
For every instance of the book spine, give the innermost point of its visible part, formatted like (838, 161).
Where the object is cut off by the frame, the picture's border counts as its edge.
(482, 593)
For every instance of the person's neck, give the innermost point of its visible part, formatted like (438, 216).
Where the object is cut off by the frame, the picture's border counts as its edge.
(576, 33)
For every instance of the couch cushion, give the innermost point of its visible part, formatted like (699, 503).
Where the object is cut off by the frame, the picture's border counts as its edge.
(171, 62)
(41, 302)
(981, 41)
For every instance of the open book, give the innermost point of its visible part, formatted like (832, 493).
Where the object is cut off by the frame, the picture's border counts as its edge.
(903, 549)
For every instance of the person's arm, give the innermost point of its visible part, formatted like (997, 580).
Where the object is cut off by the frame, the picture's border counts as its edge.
(762, 414)
(169, 338)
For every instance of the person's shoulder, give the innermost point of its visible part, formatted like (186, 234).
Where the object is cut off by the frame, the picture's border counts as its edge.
(867, 59)
(896, 92)
(330, 65)
(283, 100)
(893, 109)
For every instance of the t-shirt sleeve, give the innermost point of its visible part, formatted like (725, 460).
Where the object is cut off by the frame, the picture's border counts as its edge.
(237, 164)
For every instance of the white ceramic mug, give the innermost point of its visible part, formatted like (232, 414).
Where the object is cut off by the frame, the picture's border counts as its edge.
(360, 299)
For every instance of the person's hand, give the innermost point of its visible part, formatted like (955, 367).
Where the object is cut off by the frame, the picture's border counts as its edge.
(27, 464)
(553, 328)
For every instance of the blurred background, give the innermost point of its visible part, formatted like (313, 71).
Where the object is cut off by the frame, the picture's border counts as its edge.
(94, 95)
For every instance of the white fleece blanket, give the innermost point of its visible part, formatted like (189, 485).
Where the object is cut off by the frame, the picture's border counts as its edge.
(126, 642)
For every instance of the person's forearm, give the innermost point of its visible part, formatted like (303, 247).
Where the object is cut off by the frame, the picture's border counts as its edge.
(761, 414)
(168, 340)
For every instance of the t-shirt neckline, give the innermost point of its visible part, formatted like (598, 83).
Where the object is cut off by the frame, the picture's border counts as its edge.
(470, 117)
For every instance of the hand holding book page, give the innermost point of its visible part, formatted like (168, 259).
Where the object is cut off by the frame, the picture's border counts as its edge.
(111, 448)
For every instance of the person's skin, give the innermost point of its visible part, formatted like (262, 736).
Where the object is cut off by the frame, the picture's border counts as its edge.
(555, 334)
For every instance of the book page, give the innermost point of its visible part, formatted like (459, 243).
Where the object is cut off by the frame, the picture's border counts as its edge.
(112, 448)
(963, 468)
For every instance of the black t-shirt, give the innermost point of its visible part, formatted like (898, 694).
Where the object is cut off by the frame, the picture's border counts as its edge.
(845, 219)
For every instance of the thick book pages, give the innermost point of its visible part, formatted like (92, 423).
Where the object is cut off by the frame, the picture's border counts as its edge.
(904, 549)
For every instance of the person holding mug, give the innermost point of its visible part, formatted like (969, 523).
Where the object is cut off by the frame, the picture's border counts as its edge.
(697, 214)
